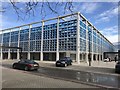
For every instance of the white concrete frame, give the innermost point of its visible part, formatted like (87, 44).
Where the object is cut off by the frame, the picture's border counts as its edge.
(1, 55)
(18, 54)
(78, 39)
(30, 26)
(92, 47)
(57, 49)
(86, 41)
(41, 53)
(9, 45)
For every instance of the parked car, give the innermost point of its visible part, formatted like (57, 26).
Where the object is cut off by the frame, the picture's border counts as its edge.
(117, 67)
(64, 62)
(106, 60)
(26, 65)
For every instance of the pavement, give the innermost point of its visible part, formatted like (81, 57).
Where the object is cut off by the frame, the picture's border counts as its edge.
(17, 79)
(98, 75)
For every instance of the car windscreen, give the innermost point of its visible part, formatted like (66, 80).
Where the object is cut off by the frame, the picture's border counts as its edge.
(30, 61)
(62, 59)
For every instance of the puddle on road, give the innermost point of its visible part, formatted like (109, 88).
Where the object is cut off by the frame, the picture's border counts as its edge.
(101, 79)
(96, 78)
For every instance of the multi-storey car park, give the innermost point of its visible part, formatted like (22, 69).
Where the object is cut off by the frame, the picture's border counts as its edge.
(70, 35)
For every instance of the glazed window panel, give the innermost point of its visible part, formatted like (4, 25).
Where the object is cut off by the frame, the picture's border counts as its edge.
(82, 33)
(32, 45)
(26, 46)
(32, 36)
(46, 45)
(13, 44)
(38, 35)
(82, 44)
(38, 45)
(83, 24)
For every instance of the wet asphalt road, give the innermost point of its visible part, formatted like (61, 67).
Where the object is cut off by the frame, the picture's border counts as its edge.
(104, 80)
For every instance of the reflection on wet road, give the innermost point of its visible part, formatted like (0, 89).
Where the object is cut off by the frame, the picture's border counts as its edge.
(80, 76)
(100, 79)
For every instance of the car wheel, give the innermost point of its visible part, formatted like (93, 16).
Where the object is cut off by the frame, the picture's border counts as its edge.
(65, 65)
(116, 71)
(14, 66)
(36, 69)
(26, 68)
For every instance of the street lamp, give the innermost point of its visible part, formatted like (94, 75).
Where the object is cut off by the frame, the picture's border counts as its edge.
(33, 53)
(89, 55)
(118, 55)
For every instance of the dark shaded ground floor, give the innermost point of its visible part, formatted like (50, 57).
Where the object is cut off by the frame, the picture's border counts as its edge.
(50, 56)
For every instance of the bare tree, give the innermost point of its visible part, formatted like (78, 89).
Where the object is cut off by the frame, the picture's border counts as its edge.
(29, 8)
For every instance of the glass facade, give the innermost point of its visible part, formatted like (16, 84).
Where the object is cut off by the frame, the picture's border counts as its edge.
(67, 38)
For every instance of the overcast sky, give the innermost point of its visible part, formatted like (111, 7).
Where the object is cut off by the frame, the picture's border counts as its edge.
(103, 15)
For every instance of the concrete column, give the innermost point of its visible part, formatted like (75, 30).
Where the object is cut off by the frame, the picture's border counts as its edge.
(9, 45)
(96, 43)
(18, 54)
(92, 46)
(28, 55)
(96, 57)
(30, 26)
(78, 39)
(86, 42)
(57, 50)
(102, 56)
(41, 53)
(1, 55)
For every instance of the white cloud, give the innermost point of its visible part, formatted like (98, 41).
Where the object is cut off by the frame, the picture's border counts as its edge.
(107, 15)
(105, 19)
(88, 7)
(110, 30)
(112, 38)
(111, 33)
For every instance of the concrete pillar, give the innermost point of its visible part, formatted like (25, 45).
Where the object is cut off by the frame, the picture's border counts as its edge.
(41, 53)
(1, 55)
(92, 46)
(28, 55)
(9, 45)
(96, 57)
(78, 39)
(100, 57)
(57, 50)
(86, 42)
(30, 26)
(9, 54)
(18, 54)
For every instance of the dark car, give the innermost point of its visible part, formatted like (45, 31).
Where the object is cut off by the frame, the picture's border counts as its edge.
(64, 62)
(117, 67)
(26, 65)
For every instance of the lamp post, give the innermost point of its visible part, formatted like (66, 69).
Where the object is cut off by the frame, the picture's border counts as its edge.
(118, 55)
(89, 55)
